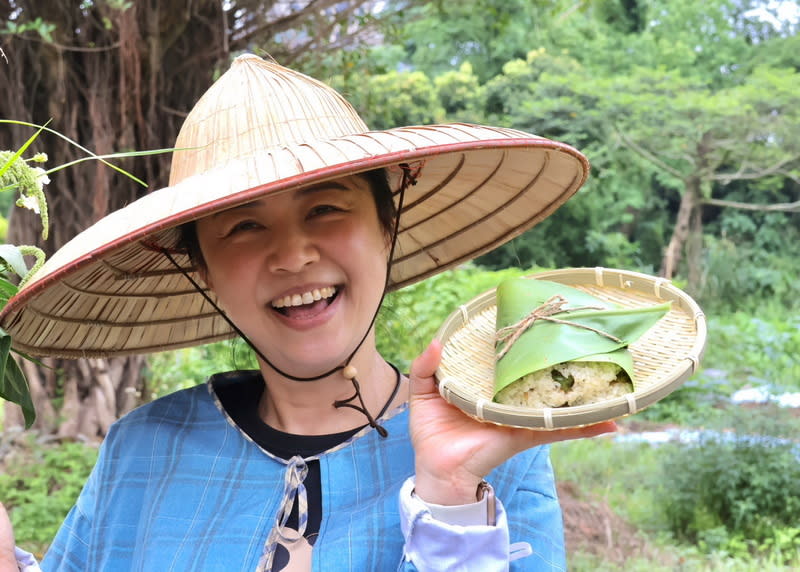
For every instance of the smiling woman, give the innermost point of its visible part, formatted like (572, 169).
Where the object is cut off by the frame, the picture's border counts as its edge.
(326, 237)
(286, 222)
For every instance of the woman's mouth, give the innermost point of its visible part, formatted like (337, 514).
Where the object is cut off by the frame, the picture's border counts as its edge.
(305, 304)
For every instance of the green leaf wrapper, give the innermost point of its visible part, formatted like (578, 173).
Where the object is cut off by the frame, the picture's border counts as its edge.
(546, 343)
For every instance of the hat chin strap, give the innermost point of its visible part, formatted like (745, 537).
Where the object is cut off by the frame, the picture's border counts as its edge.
(348, 371)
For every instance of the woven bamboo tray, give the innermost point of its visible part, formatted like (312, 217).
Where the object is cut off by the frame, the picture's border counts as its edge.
(663, 358)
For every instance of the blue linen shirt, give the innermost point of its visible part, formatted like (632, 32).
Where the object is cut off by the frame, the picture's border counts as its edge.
(177, 486)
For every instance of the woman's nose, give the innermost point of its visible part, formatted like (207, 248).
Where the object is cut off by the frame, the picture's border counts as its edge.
(291, 250)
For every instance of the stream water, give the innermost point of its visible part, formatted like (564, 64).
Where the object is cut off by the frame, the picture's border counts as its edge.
(752, 395)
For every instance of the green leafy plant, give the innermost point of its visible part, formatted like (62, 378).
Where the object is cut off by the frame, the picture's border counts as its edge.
(39, 483)
(17, 175)
(733, 484)
(180, 369)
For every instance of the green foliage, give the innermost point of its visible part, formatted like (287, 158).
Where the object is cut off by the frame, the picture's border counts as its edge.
(762, 350)
(13, 385)
(743, 276)
(16, 175)
(538, 94)
(630, 477)
(41, 27)
(656, 94)
(41, 486)
(485, 33)
(744, 349)
(410, 318)
(735, 484)
(392, 99)
(171, 371)
(460, 94)
(605, 469)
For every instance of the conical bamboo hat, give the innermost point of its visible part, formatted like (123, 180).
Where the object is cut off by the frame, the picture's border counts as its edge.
(262, 129)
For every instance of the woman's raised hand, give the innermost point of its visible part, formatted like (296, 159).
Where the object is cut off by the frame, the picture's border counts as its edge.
(8, 562)
(455, 452)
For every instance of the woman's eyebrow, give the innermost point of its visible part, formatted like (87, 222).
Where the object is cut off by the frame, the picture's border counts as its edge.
(299, 194)
(321, 187)
(250, 205)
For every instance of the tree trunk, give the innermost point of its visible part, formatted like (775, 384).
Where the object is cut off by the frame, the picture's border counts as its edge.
(98, 85)
(690, 202)
(116, 80)
(694, 249)
(94, 393)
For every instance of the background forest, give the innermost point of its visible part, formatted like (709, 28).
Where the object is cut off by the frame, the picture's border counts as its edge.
(690, 115)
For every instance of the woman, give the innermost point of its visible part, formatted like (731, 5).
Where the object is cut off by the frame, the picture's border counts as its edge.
(286, 222)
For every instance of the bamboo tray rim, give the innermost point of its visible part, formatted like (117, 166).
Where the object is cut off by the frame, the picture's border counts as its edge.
(675, 367)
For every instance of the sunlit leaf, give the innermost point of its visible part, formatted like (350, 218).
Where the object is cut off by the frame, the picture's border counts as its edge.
(22, 149)
(13, 257)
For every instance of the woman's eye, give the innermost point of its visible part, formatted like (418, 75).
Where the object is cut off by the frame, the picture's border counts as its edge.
(323, 209)
(242, 226)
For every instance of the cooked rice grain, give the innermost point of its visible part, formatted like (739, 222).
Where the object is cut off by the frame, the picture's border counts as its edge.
(567, 384)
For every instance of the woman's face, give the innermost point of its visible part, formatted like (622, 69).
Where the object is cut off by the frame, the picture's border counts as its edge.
(301, 273)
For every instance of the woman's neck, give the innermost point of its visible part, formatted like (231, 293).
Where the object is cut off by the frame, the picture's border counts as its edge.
(307, 407)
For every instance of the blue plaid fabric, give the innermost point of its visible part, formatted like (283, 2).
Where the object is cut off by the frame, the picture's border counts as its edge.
(178, 487)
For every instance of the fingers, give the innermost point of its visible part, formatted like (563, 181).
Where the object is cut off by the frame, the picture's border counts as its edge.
(581, 432)
(8, 561)
(423, 369)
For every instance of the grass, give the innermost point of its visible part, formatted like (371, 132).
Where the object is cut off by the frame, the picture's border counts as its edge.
(680, 559)
(627, 476)
(608, 471)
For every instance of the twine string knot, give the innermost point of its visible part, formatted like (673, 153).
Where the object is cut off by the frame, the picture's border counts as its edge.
(552, 307)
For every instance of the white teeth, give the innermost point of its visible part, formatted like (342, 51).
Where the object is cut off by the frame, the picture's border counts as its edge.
(304, 298)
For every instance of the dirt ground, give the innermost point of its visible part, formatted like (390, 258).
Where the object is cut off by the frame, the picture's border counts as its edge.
(590, 526)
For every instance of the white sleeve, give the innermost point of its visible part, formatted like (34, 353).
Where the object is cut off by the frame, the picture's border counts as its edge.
(26, 562)
(457, 541)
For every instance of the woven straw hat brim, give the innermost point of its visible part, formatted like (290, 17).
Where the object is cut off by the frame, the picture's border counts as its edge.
(663, 358)
(110, 291)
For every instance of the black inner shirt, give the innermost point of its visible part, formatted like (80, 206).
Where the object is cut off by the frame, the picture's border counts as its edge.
(240, 397)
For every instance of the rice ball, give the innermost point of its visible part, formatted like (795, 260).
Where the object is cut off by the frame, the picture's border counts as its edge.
(567, 384)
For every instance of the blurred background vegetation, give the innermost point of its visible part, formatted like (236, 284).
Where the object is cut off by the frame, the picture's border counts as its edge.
(690, 115)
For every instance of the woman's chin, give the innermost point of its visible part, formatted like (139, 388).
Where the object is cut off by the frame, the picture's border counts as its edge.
(308, 363)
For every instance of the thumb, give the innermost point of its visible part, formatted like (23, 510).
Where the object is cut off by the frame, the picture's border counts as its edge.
(422, 370)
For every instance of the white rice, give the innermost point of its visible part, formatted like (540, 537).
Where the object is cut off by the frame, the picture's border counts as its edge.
(593, 382)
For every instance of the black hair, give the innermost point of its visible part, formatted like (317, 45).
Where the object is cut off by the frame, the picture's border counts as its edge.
(381, 193)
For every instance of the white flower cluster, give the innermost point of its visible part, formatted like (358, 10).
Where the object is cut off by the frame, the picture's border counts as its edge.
(28, 181)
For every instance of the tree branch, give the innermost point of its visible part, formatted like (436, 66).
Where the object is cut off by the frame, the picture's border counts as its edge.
(739, 175)
(777, 207)
(650, 157)
(283, 23)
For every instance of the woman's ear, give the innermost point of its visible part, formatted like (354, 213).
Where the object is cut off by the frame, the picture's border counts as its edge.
(202, 272)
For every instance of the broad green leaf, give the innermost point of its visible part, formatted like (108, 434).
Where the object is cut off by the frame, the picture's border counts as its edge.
(13, 385)
(7, 290)
(546, 343)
